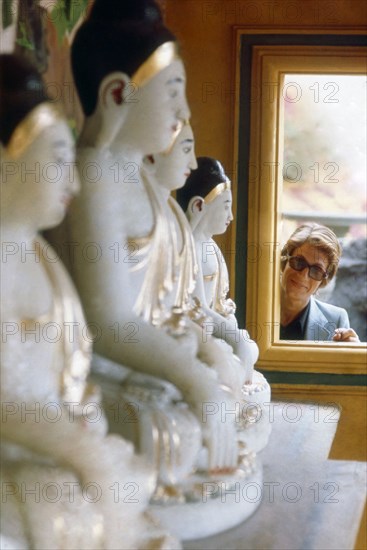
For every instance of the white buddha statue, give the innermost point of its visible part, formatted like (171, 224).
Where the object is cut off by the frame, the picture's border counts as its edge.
(172, 168)
(133, 96)
(65, 483)
(206, 198)
(119, 211)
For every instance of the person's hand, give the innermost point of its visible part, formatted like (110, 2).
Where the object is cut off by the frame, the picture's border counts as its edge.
(345, 335)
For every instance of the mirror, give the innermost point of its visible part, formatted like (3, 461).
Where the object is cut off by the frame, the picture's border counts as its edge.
(271, 66)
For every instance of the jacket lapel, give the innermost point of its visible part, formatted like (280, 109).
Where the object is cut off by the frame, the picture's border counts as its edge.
(317, 323)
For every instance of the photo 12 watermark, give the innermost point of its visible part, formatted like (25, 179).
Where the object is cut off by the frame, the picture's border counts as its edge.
(90, 412)
(253, 412)
(270, 491)
(68, 492)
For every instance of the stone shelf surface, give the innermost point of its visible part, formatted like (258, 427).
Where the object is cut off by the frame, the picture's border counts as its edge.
(308, 501)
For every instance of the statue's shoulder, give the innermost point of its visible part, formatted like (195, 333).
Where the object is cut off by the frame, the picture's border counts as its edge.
(25, 286)
(112, 189)
(138, 212)
(99, 171)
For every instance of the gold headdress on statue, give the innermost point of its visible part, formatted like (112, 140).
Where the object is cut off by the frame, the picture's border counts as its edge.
(218, 190)
(38, 119)
(135, 42)
(161, 58)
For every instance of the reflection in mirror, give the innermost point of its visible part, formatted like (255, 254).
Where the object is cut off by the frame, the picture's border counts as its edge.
(267, 202)
(324, 177)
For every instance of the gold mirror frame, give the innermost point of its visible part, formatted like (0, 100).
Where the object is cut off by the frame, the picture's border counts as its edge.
(269, 65)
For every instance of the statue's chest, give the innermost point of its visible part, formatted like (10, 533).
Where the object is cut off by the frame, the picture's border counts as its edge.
(32, 300)
(138, 216)
(208, 258)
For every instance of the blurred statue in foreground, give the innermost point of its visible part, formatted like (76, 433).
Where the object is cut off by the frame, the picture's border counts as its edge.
(138, 289)
(66, 484)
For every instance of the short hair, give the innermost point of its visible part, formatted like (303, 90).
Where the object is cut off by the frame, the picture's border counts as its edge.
(119, 35)
(201, 181)
(21, 90)
(319, 236)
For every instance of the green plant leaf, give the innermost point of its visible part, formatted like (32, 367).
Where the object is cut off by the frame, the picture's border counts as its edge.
(7, 13)
(24, 40)
(73, 128)
(66, 14)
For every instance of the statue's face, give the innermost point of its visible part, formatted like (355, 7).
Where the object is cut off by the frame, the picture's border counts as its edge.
(41, 183)
(218, 214)
(174, 167)
(154, 111)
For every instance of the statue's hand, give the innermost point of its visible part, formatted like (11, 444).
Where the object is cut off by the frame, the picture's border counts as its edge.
(218, 416)
(189, 342)
(221, 441)
(220, 357)
(248, 352)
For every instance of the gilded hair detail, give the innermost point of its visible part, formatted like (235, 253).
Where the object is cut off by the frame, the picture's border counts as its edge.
(207, 181)
(37, 120)
(161, 58)
(218, 190)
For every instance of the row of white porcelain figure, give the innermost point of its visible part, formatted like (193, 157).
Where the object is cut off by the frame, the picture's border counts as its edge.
(153, 284)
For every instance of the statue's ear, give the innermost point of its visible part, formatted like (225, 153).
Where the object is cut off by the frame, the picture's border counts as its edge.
(112, 110)
(195, 211)
(149, 164)
(196, 206)
(113, 89)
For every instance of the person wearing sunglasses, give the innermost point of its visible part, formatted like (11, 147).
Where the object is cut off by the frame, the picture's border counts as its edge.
(309, 261)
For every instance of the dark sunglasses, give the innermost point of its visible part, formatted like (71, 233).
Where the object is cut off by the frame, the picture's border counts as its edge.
(298, 263)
